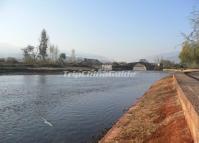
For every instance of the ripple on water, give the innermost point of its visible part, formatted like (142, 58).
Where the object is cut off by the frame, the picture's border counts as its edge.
(79, 109)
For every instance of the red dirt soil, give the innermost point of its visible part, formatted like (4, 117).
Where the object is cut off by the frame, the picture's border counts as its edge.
(156, 118)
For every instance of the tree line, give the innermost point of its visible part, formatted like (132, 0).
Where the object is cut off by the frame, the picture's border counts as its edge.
(45, 53)
(189, 55)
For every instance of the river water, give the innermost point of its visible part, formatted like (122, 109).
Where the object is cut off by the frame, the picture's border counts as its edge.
(58, 109)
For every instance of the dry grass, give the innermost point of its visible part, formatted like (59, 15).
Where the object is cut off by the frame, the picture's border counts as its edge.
(156, 109)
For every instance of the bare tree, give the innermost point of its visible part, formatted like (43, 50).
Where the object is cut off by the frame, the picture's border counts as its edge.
(43, 44)
(54, 51)
(29, 54)
(157, 59)
(195, 25)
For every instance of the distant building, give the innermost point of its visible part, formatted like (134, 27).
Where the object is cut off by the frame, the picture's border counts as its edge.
(143, 61)
(139, 67)
(91, 63)
(106, 67)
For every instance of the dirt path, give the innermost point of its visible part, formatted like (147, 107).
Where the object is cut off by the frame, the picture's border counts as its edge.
(156, 118)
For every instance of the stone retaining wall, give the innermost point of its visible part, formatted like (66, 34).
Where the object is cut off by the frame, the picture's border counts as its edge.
(191, 115)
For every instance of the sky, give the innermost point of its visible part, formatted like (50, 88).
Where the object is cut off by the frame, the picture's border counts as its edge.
(122, 30)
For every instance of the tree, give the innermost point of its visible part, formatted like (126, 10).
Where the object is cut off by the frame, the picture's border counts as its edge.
(196, 53)
(195, 25)
(54, 52)
(158, 59)
(43, 44)
(187, 53)
(51, 51)
(29, 54)
(167, 63)
(62, 57)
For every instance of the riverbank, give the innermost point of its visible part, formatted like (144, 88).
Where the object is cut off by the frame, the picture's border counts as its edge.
(39, 70)
(156, 118)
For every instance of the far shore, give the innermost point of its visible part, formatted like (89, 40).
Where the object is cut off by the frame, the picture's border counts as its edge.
(40, 70)
(31, 70)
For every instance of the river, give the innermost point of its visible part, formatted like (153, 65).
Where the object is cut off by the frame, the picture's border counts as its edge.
(58, 109)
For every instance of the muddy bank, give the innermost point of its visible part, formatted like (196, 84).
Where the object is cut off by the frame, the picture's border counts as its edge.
(156, 118)
(42, 70)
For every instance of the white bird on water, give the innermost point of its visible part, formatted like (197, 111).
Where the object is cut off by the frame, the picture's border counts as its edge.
(46, 122)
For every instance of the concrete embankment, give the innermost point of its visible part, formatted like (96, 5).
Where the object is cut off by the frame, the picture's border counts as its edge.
(157, 117)
(188, 93)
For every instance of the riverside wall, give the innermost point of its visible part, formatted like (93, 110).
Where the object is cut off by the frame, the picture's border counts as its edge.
(188, 91)
(158, 117)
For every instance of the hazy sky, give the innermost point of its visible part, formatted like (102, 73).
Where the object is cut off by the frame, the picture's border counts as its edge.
(118, 29)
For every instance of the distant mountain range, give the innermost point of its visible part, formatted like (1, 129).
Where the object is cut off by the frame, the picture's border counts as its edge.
(7, 50)
(172, 56)
(93, 56)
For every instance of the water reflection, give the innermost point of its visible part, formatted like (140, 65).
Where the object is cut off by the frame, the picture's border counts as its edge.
(78, 109)
(42, 79)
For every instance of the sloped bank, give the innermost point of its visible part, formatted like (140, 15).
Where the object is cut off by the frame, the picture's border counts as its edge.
(188, 93)
(157, 117)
